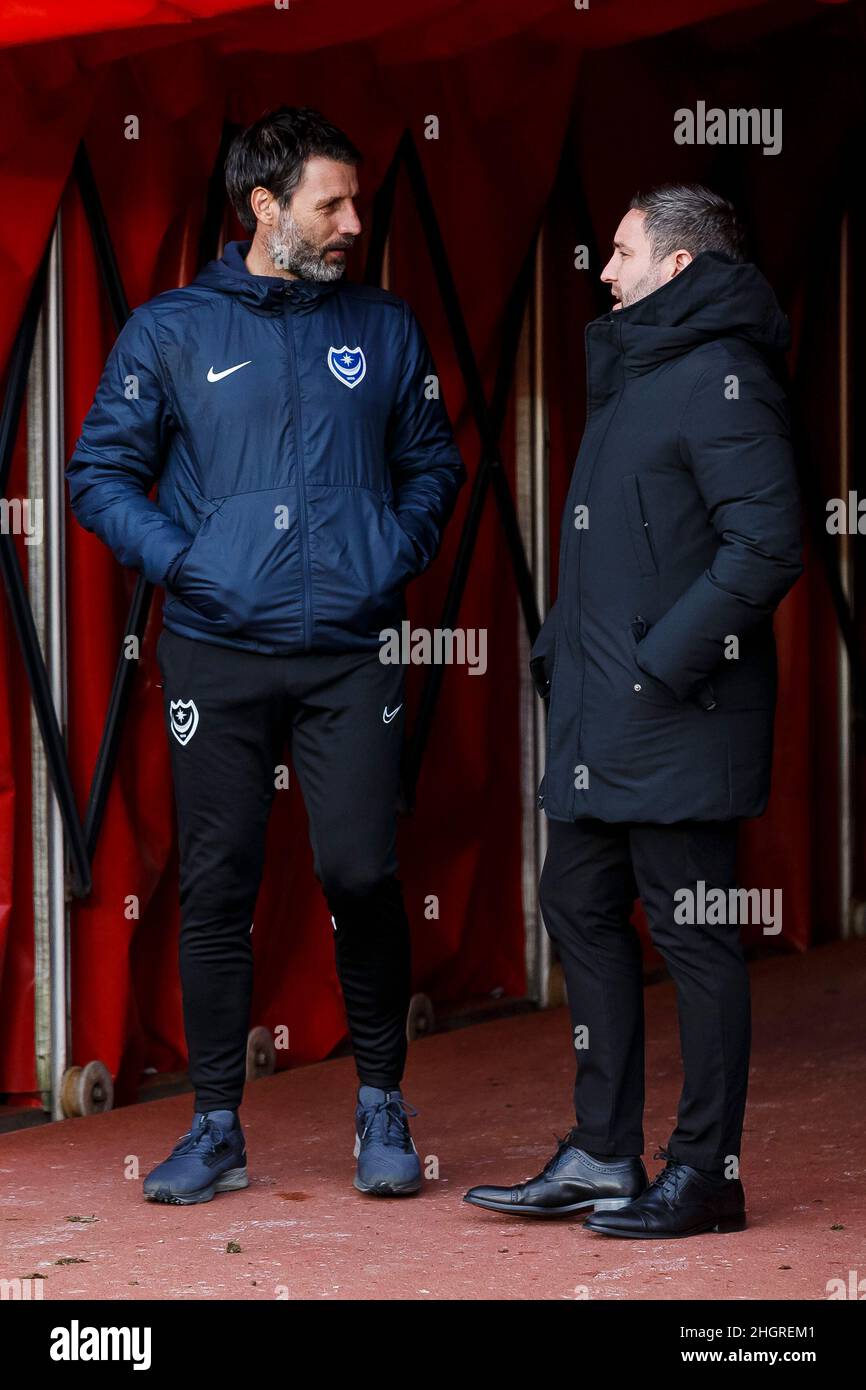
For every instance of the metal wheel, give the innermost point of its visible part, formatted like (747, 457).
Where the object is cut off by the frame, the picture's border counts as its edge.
(421, 1019)
(261, 1053)
(86, 1090)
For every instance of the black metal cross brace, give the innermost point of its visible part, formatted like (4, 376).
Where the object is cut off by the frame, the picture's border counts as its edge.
(488, 419)
(19, 601)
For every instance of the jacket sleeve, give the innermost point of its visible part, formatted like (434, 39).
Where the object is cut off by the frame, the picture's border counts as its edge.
(425, 464)
(119, 456)
(739, 454)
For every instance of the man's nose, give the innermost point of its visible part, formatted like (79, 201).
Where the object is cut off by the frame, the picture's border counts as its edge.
(350, 224)
(607, 275)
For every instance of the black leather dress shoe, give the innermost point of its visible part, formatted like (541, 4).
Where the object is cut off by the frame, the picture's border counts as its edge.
(679, 1201)
(571, 1181)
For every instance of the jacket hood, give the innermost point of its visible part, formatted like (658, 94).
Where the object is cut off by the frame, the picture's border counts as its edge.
(713, 297)
(229, 275)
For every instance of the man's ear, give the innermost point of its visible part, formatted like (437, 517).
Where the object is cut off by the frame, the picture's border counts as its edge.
(265, 207)
(681, 260)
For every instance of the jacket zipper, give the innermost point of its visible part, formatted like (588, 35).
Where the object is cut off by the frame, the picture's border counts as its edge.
(303, 533)
(580, 537)
(646, 526)
(563, 549)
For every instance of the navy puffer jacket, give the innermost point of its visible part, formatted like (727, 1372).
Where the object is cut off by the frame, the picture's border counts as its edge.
(681, 534)
(305, 462)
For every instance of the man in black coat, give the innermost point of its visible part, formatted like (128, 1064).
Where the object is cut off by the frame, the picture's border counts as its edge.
(681, 535)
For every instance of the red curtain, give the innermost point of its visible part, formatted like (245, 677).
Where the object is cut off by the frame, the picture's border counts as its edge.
(503, 94)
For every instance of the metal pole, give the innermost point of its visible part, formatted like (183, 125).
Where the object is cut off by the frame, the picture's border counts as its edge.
(531, 486)
(46, 583)
(846, 575)
(541, 573)
(386, 264)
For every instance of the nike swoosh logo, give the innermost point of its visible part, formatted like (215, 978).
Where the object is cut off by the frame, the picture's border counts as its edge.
(218, 376)
(387, 717)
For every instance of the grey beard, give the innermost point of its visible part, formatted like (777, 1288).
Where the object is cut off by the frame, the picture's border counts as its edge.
(645, 285)
(291, 251)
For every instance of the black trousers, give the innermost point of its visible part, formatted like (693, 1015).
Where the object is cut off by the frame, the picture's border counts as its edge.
(592, 874)
(230, 716)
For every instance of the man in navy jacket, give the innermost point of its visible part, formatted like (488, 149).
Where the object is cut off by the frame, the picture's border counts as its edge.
(306, 470)
(681, 535)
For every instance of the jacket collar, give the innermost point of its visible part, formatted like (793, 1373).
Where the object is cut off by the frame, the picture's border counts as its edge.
(713, 297)
(229, 275)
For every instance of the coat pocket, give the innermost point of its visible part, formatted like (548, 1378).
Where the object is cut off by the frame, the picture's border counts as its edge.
(416, 563)
(361, 559)
(638, 526)
(242, 571)
(541, 656)
(645, 689)
(209, 507)
(653, 692)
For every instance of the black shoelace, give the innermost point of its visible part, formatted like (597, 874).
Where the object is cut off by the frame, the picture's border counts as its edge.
(670, 1179)
(389, 1118)
(564, 1142)
(208, 1132)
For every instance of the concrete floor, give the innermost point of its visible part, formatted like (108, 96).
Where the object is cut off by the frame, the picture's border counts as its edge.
(491, 1099)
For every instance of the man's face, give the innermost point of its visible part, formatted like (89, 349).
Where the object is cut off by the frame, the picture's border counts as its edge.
(313, 233)
(631, 271)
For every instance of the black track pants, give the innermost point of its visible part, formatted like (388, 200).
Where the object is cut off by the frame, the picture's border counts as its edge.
(230, 715)
(592, 874)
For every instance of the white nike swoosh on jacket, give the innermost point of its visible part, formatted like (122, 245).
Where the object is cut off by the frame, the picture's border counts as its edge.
(218, 376)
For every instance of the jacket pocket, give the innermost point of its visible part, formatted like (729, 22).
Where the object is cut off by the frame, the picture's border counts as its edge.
(654, 692)
(638, 526)
(548, 730)
(646, 689)
(208, 509)
(242, 571)
(416, 557)
(361, 559)
(541, 657)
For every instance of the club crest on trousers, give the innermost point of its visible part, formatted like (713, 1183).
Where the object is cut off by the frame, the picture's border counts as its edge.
(183, 717)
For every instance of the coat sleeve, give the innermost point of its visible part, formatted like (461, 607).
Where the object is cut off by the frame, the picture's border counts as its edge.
(119, 456)
(425, 464)
(739, 454)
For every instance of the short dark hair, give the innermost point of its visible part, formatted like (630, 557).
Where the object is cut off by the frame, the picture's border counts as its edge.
(272, 152)
(689, 217)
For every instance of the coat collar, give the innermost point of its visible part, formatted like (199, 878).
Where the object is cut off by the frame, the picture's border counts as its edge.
(713, 297)
(229, 275)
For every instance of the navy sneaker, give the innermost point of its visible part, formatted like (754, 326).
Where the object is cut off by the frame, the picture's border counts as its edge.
(388, 1162)
(210, 1158)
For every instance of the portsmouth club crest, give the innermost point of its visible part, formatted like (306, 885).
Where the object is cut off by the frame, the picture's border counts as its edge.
(183, 716)
(349, 365)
